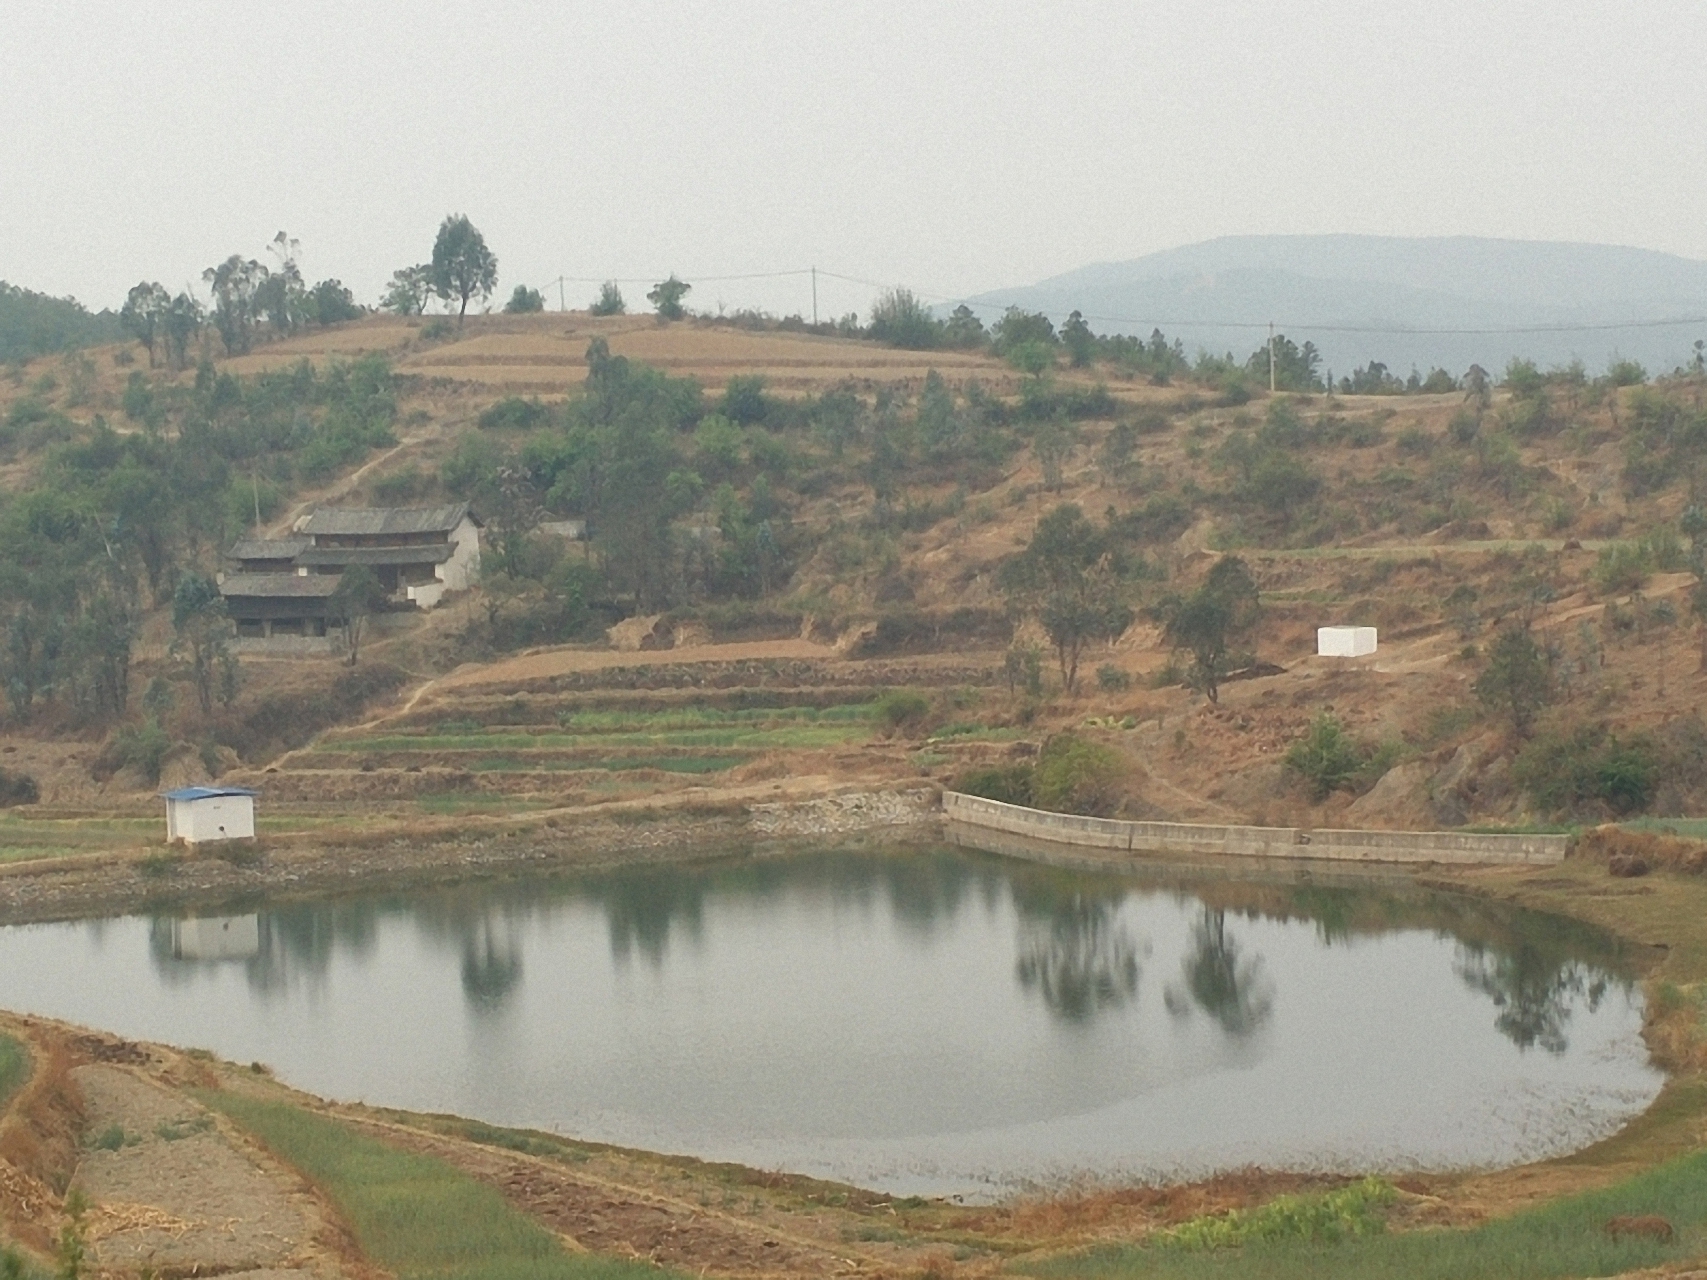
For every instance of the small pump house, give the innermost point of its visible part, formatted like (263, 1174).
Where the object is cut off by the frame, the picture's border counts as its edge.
(197, 815)
(1345, 642)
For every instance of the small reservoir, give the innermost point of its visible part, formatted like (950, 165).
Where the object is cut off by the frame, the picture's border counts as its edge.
(924, 1021)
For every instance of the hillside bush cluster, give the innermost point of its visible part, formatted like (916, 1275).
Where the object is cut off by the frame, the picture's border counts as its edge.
(1327, 758)
(1589, 771)
(1072, 774)
(1358, 1209)
(1592, 771)
(901, 708)
(281, 721)
(17, 789)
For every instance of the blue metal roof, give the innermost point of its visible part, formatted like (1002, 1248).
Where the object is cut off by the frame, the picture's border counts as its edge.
(207, 793)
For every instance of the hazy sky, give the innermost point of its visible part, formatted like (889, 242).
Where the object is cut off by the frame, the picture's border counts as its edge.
(953, 148)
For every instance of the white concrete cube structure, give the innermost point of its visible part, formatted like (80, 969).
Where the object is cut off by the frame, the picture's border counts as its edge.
(200, 815)
(1345, 642)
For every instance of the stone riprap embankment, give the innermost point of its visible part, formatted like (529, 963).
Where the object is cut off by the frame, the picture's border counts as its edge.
(834, 815)
(1259, 842)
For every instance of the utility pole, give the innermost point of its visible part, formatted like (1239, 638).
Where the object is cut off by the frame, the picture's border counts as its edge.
(814, 295)
(255, 488)
(561, 304)
(1271, 357)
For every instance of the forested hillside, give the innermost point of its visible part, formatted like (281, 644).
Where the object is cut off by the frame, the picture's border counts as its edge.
(33, 324)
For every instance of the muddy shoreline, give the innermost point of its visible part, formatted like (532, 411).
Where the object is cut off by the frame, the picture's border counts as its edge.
(171, 881)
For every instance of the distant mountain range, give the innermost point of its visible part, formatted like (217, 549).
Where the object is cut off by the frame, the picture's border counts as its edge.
(1387, 298)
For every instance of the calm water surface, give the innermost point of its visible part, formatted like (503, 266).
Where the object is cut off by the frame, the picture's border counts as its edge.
(935, 1021)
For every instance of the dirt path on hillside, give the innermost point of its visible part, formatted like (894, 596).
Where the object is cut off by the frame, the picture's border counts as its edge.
(342, 489)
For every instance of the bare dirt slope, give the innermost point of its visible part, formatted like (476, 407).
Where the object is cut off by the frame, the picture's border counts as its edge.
(169, 1189)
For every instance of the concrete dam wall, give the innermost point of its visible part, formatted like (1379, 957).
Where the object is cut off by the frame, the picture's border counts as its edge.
(1254, 842)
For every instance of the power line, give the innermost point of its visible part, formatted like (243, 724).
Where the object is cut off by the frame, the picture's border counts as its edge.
(751, 275)
(1297, 326)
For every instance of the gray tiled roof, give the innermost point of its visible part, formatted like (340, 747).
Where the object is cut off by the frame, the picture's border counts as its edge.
(266, 548)
(376, 555)
(384, 520)
(250, 585)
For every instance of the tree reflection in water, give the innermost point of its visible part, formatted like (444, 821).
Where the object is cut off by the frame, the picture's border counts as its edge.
(1534, 988)
(484, 929)
(491, 966)
(642, 907)
(645, 908)
(1074, 951)
(1231, 989)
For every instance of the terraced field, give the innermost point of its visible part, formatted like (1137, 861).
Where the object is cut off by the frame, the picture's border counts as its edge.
(685, 740)
(26, 835)
(480, 753)
(640, 729)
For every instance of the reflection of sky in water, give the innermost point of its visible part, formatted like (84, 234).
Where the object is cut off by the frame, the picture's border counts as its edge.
(940, 1022)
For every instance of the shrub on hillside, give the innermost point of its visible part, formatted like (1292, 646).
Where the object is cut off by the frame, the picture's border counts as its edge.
(524, 301)
(744, 399)
(1023, 667)
(16, 789)
(570, 603)
(1590, 771)
(401, 486)
(1328, 759)
(901, 319)
(902, 708)
(1010, 784)
(744, 620)
(908, 630)
(142, 747)
(1075, 775)
(1653, 848)
(513, 413)
(1519, 678)
(1622, 568)
(281, 721)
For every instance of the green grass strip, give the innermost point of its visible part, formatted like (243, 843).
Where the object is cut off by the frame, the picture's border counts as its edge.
(730, 736)
(664, 764)
(1565, 1238)
(30, 853)
(412, 1214)
(14, 1068)
(1687, 828)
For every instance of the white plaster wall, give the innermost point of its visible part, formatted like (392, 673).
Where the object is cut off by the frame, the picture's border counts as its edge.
(215, 818)
(426, 594)
(462, 570)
